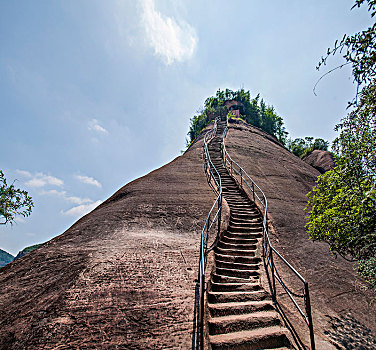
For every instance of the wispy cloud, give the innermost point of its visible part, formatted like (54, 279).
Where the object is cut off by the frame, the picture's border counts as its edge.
(172, 40)
(88, 180)
(81, 210)
(95, 126)
(41, 180)
(65, 196)
(23, 173)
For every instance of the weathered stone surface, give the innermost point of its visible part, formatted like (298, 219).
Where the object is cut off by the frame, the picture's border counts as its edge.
(321, 160)
(122, 277)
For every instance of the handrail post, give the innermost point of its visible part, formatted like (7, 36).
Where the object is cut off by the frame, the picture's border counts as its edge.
(274, 292)
(309, 316)
(253, 191)
(219, 214)
(241, 178)
(231, 167)
(202, 310)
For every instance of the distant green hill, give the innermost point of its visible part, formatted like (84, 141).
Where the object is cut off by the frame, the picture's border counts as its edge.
(5, 258)
(26, 251)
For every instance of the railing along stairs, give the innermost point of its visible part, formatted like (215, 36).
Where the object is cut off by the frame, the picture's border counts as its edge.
(269, 252)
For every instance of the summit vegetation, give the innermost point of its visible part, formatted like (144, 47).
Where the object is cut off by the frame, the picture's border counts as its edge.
(254, 111)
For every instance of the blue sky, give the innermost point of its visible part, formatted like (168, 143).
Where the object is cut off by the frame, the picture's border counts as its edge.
(97, 93)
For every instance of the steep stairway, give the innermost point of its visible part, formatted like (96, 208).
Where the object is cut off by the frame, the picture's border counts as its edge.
(242, 315)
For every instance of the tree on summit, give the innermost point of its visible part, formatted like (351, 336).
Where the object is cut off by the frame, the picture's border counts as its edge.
(253, 111)
(13, 201)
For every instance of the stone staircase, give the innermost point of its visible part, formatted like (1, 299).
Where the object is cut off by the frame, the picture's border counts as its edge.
(241, 312)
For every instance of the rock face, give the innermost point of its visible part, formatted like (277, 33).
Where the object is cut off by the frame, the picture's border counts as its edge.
(321, 160)
(123, 276)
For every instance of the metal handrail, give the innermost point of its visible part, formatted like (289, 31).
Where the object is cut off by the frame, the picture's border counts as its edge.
(216, 185)
(268, 250)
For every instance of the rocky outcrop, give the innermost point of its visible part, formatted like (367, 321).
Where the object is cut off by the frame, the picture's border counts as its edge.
(323, 161)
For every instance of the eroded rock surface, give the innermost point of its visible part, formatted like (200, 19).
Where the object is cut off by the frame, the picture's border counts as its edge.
(323, 161)
(122, 277)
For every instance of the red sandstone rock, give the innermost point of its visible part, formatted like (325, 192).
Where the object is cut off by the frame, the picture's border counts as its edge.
(123, 276)
(321, 160)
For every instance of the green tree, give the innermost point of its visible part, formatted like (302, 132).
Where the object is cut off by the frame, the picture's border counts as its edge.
(13, 201)
(343, 203)
(254, 112)
(301, 147)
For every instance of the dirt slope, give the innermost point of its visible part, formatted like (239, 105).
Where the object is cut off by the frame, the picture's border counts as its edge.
(337, 295)
(122, 277)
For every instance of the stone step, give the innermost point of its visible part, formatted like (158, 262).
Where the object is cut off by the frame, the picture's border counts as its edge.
(237, 308)
(237, 258)
(237, 296)
(227, 239)
(244, 223)
(249, 211)
(239, 220)
(236, 246)
(235, 252)
(269, 338)
(232, 189)
(241, 229)
(237, 199)
(218, 278)
(229, 188)
(239, 273)
(235, 323)
(233, 287)
(245, 216)
(237, 266)
(241, 235)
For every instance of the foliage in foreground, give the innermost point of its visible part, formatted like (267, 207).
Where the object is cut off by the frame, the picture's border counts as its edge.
(343, 203)
(13, 202)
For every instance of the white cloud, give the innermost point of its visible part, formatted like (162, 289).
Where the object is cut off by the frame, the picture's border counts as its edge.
(81, 210)
(172, 40)
(41, 180)
(63, 194)
(19, 220)
(23, 173)
(94, 126)
(88, 180)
